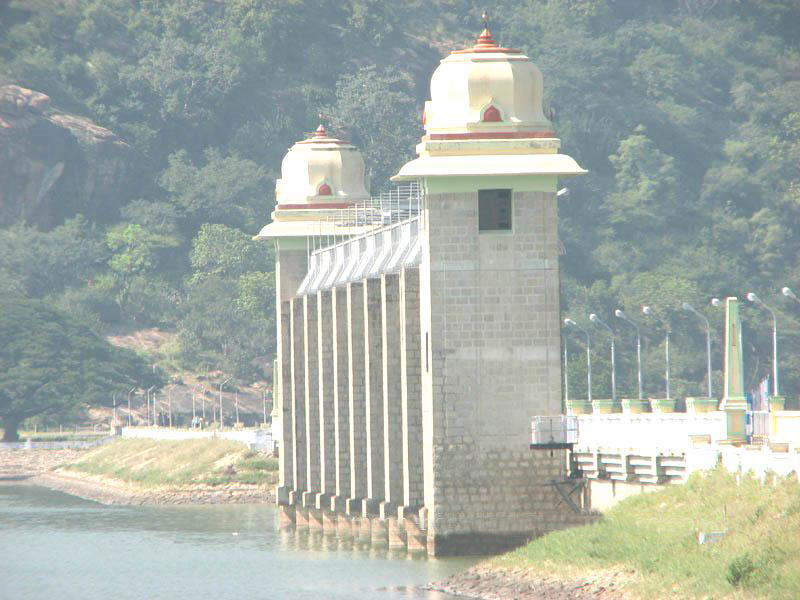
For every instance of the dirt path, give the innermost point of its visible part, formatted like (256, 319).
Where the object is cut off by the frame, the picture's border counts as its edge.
(111, 491)
(15, 463)
(486, 582)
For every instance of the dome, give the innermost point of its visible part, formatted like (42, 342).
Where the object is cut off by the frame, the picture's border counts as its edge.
(320, 173)
(486, 92)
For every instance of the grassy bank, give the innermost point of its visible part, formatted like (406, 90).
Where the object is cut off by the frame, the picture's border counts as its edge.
(653, 537)
(178, 463)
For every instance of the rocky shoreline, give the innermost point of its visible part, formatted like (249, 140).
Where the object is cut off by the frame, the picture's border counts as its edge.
(43, 467)
(489, 582)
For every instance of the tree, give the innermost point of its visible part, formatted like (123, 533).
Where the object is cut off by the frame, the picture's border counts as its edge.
(135, 253)
(228, 252)
(377, 111)
(51, 362)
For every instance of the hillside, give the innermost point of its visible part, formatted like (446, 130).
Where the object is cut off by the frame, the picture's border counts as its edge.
(141, 155)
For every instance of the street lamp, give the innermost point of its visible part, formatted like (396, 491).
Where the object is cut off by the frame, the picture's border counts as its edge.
(147, 399)
(689, 308)
(221, 385)
(756, 300)
(649, 312)
(598, 321)
(621, 315)
(169, 405)
(716, 303)
(129, 404)
(571, 323)
(194, 403)
(566, 376)
(236, 404)
(790, 294)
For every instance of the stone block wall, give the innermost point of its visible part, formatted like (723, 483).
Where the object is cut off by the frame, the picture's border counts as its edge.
(373, 372)
(327, 416)
(392, 392)
(341, 387)
(357, 391)
(492, 361)
(410, 394)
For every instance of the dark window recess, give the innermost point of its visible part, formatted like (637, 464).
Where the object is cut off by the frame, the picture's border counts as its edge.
(494, 210)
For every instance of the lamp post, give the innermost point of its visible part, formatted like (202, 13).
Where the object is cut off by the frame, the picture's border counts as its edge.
(129, 405)
(621, 315)
(194, 403)
(756, 300)
(147, 399)
(566, 375)
(571, 323)
(114, 409)
(598, 321)
(649, 312)
(264, 401)
(689, 308)
(169, 405)
(790, 294)
(221, 385)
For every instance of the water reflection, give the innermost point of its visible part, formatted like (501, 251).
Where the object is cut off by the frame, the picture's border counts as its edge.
(58, 546)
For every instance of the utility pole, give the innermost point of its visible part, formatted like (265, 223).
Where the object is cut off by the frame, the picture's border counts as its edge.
(221, 417)
(236, 404)
(129, 405)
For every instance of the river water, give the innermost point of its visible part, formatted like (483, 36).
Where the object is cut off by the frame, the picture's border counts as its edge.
(57, 546)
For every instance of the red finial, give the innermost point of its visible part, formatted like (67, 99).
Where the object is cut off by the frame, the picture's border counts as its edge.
(320, 132)
(485, 38)
(486, 41)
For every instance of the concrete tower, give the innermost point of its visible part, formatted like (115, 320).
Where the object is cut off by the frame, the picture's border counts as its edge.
(320, 176)
(489, 300)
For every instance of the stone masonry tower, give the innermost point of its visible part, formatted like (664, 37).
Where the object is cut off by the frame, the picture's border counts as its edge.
(418, 332)
(489, 299)
(320, 176)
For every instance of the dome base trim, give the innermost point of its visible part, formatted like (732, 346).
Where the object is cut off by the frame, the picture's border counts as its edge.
(489, 135)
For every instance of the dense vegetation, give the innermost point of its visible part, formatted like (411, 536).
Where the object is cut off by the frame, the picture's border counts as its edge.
(52, 363)
(686, 114)
(653, 540)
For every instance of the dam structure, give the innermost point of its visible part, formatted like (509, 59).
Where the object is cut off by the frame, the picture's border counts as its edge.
(419, 332)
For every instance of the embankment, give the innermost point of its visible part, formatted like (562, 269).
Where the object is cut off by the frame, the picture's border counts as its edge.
(649, 546)
(138, 471)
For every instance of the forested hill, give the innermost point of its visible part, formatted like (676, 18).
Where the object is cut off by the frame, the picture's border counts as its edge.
(130, 197)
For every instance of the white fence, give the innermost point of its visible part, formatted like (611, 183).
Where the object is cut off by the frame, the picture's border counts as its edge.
(649, 431)
(256, 439)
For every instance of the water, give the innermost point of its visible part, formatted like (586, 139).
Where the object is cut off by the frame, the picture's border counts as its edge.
(53, 545)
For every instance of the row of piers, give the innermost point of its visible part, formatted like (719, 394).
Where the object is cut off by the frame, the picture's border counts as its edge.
(391, 532)
(351, 411)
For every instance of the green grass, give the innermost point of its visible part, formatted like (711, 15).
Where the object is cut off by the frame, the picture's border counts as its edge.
(653, 537)
(178, 463)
